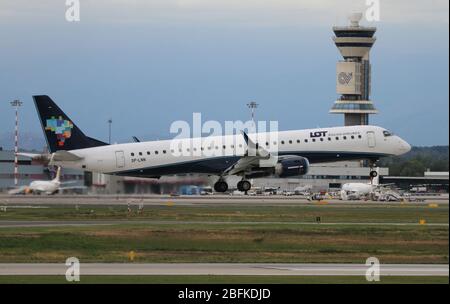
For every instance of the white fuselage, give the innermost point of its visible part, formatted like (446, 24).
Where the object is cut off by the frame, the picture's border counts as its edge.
(48, 187)
(356, 190)
(212, 154)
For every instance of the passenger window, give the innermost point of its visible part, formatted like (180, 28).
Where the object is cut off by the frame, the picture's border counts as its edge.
(290, 142)
(306, 140)
(132, 154)
(156, 152)
(148, 152)
(298, 141)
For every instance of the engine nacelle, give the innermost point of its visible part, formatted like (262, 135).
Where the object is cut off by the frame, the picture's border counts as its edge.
(292, 166)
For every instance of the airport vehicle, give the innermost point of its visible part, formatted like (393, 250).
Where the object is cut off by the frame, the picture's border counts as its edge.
(281, 154)
(45, 186)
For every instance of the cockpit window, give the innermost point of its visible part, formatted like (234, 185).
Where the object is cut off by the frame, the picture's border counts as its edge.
(387, 133)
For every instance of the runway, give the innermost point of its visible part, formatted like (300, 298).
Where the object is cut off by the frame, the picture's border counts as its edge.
(199, 200)
(227, 269)
(29, 224)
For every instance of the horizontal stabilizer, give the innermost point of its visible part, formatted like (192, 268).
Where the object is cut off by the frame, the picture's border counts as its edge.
(61, 156)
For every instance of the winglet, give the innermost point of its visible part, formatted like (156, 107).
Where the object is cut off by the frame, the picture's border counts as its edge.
(253, 148)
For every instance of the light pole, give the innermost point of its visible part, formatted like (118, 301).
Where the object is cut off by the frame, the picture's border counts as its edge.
(109, 123)
(252, 106)
(16, 103)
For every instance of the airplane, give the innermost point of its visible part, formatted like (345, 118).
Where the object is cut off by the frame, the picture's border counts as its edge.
(245, 155)
(44, 186)
(355, 191)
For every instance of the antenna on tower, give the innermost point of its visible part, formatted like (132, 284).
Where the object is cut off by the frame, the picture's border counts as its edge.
(252, 106)
(355, 18)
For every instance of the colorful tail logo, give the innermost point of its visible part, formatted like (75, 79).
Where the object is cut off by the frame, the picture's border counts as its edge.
(62, 128)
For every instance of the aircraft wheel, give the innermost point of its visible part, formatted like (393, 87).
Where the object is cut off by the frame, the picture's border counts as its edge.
(221, 186)
(373, 174)
(244, 186)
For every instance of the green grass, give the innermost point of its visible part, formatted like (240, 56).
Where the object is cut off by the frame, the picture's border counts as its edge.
(227, 243)
(221, 280)
(206, 240)
(379, 213)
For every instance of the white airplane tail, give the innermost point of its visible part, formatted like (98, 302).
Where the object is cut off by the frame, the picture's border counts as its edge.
(58, 175)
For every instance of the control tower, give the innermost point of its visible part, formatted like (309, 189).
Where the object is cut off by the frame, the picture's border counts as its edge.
(353, 73)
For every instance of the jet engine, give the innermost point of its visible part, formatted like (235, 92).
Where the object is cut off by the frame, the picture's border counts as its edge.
(292, 166)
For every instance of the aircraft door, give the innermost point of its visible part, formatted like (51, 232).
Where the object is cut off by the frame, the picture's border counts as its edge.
(120, 159)
(371, 142)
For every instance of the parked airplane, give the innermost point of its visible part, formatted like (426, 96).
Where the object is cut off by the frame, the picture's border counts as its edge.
(356, 191)
(44, 186)
(289, 155)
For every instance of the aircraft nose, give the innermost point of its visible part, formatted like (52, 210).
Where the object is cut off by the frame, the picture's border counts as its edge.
(404, 146)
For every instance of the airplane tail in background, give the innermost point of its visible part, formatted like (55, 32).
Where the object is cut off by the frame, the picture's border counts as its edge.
(60, 132)
(58, 175)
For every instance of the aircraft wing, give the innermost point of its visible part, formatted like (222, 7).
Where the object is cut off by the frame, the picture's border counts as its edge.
(72, 188)
(251, 159)
(20, 190)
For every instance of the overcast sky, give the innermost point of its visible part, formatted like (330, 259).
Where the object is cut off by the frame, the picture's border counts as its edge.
(147, 63)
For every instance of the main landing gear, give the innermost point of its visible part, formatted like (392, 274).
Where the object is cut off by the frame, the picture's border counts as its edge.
(244, 186)
(221, 186)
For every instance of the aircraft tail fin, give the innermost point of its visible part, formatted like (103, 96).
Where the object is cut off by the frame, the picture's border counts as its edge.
(60, 132)
(58, 175)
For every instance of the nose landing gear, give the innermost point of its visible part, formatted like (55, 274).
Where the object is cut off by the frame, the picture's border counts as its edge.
(373, 173)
